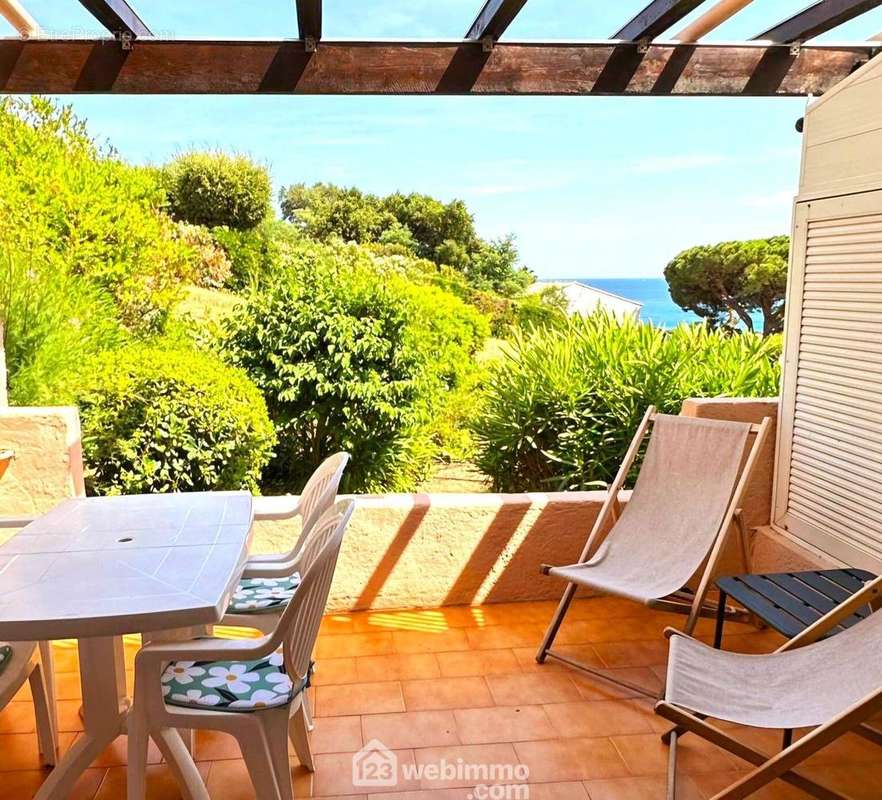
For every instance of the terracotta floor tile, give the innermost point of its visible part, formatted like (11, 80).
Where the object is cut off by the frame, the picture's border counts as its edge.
(584, 653)
(359, 698)
(337, 624)
(570, 790)
(606, 608)
(21, 785)
(399, 667)
(442, 693)
(333, 671)
(477, 662)
(646, 754)
(430, 641)
(411, 729)
(336, 735)
(711, 783)
(161, 784)
(215, 746)
(858, 781)
(17, 718)
(517, 613)
(627, 629)
(496, 637)
(642, 789)
(19, 751)
(229, 780)
(600, 718)
(595, 688)
(67, 686)
(426, 619)
(334, 775)
(116, 754)
(571, 759)
(65, 656)
(356, 644)
(511, 690)
(457, 793)
(632, 654)
(69, 718)
(473, 768)
(502, 724)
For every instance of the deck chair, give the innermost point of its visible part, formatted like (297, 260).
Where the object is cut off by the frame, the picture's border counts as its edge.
(832, 685)
(673, 529)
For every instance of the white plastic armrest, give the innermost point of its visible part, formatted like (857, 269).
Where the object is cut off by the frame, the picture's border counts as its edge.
(205, 650)
(276, 508)
(274, 569)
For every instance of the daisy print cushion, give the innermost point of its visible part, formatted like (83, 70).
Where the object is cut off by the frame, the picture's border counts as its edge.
(256, 595)
(230, 685)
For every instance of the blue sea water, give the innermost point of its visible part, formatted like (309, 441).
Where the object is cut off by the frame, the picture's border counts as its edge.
(658, 307)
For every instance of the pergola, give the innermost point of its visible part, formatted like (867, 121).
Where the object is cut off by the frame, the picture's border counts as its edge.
(780, 61)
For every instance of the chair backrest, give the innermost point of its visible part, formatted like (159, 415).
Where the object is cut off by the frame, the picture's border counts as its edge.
(682, 494)
(319, 494)
(299, 624)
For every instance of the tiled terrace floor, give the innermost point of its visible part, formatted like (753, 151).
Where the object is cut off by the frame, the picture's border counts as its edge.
(462, 683)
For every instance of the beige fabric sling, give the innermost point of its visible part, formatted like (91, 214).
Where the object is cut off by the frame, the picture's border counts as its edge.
(673, 518)
(792, 689)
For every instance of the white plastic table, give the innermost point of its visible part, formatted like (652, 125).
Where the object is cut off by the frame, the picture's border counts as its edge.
(94, 569)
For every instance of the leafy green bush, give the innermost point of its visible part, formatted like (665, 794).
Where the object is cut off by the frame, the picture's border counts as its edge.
(215, 189)
(351, 358)
(561, 408)
(71, 204)
(161, 419)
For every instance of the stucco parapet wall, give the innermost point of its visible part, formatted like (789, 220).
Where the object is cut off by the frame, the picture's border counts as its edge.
(452, 549)
(47, 465)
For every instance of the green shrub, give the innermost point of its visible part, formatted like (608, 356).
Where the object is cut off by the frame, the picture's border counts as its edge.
(215, 189)
(351, 358)
(158, 419)
(81, 209)
(560, 409)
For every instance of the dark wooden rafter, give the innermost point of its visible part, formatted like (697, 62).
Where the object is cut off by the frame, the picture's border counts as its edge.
(655, 19)
(309, 19)
(493, 18)
(817, 19)
(118, 17)
(243, 67)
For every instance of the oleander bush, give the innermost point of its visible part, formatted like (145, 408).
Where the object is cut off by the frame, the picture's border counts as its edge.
(561, 407)
(216, 189)
(162, 418)
(350, 357)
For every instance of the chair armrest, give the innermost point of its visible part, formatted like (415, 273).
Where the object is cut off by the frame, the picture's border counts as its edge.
(276, 508)
(271, 569)
(872, 591)
(670, 632)
(153, 655)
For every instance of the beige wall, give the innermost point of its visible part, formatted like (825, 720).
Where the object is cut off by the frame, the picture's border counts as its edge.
(402, 550)
(47, 464)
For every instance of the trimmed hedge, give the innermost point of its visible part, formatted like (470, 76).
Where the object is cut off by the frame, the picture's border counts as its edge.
(215, 189)
(164, 420)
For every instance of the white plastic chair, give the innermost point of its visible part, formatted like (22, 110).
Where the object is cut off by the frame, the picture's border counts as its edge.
(171, 679)
(24, 663)
(269, 581)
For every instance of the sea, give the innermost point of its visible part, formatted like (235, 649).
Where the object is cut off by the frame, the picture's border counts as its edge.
(658, 308)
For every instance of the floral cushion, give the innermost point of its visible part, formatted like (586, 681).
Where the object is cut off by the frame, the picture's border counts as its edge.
(5, 656)
(256, 595)
(230, 685)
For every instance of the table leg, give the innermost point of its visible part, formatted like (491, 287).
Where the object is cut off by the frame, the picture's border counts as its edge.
(105, 706)
(721, 619)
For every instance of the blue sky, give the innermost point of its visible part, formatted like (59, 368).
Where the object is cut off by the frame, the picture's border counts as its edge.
(590, 187)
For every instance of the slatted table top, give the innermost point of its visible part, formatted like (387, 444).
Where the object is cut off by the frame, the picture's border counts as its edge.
(791, 601)
(107, 566)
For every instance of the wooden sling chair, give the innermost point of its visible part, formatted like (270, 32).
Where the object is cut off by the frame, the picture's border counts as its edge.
(831, 685)
(673, 529)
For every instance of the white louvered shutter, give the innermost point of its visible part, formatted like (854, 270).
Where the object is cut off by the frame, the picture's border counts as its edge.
(829, 476)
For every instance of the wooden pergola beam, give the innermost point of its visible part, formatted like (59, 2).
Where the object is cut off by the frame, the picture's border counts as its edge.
(17, 16)
(309, 19)
(817, 19)
(118, 17)
(655, 19)
(711, 20)
(494, 17)
(41, 66)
